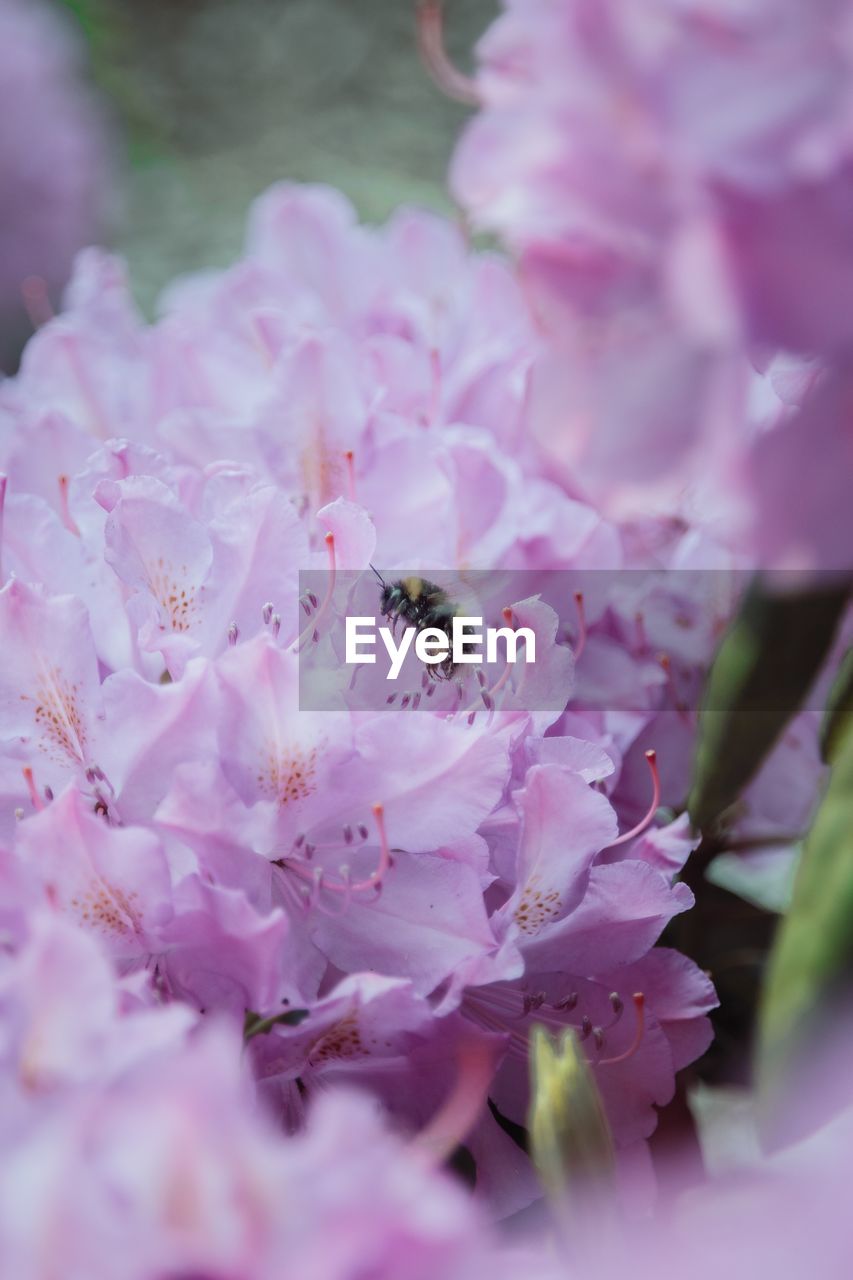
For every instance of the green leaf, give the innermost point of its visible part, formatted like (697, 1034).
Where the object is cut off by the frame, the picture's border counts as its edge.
(570, 1139)
(812, 956)
(255, 1024)
(839, 708)
(760, 679)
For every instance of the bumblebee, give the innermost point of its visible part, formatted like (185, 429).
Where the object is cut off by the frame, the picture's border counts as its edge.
(421, 604)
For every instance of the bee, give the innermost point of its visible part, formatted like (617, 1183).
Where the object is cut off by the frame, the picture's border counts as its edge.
(421, 604)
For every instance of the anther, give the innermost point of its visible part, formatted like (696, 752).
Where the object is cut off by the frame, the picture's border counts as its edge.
(266, 612)
(639, 1001)
(598, 1038)
(392, 697)
(362, 831)
(276, 625)
(312, 630)
(586, 1027)
(450, 80)
(580, 643)
(350, 461)
(233, 634)
(651, 758)
(416, 701)
(348, 834)
(568, 1003)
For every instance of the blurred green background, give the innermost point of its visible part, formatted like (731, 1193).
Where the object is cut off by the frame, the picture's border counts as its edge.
(216, 99)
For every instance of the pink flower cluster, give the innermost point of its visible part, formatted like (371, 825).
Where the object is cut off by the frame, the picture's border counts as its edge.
(677, 180)
(409, 883)
(390, 900)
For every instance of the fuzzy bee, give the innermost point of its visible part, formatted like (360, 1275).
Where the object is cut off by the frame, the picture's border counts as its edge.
(421, 604)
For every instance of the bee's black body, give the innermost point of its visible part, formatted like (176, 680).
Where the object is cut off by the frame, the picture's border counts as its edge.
(421, 604)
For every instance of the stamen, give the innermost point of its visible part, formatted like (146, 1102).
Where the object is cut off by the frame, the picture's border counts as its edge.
(488, 695)
(36, 301)
(568, 1003)
(311, 630)
(350, 461)
(459, 1112)
(233, 635)
(430, 18)
(580, 644)
(267, 612)
(318, 878)
(35, 798)
(639, 1004)
(651, 757)
(275, 626)
(64, 509)
(666, 665)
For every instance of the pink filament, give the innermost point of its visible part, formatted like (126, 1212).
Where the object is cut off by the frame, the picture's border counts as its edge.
(449, 79)
(64, 509)
(458, 1113)
(37, 802)
(350, 461)
(651, 757)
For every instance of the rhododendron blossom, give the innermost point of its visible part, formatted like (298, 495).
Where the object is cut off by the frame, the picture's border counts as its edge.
(250, 855)
(279, 920)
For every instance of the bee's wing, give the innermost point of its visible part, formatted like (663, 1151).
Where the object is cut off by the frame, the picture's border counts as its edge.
(487, 591)
(480, 593)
